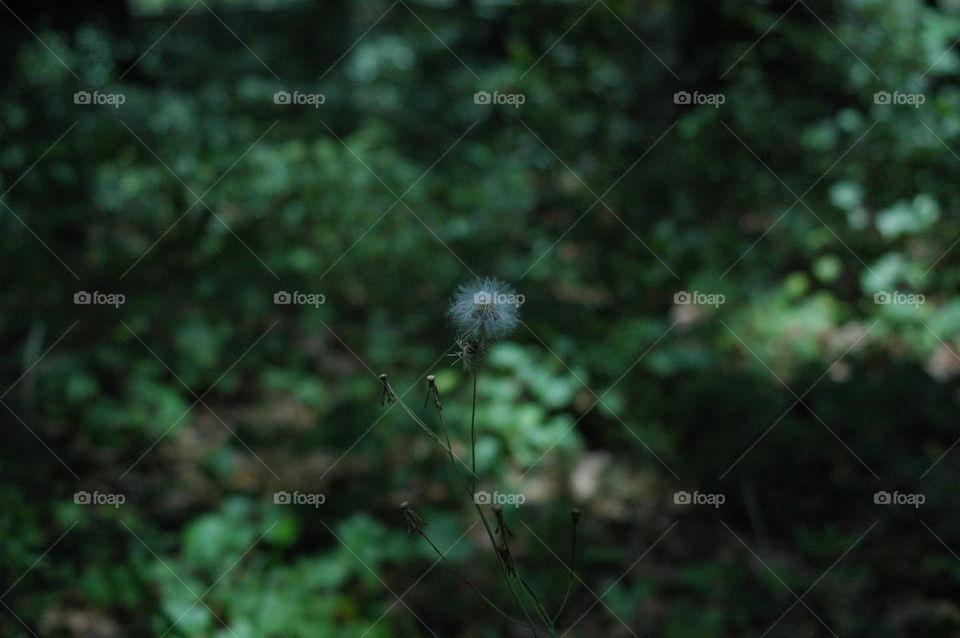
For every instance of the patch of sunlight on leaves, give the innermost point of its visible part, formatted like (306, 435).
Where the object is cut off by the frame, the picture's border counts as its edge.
(373, 542)
(889, 271)
(306, 390)
(489, 453)
(195, 619)
(790, 327)
(846, 194)
(827, 268)
(520, 389)
(215, 540)
(81, 386)
(908, 217)
(545, 378)
(158, 405)
(285, 533)
(287, 601)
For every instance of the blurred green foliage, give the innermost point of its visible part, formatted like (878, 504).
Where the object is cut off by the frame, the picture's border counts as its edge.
(599, 198)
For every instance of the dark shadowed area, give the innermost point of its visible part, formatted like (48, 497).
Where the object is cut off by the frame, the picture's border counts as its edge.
(724, 327)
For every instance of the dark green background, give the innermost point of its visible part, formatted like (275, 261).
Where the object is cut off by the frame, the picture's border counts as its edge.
(599, 198)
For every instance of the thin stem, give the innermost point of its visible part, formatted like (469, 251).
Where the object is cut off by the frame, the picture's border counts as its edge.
(522, 606)
(419, 421)
(483, 519)
(473, 423)
(538, 606)
(468, 583)
(503, 566)
(573, 571)
(453, 459)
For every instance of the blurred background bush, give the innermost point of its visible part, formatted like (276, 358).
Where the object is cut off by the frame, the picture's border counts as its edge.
(827, 175)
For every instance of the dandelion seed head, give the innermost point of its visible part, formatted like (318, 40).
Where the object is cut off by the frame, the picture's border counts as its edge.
(485, 310)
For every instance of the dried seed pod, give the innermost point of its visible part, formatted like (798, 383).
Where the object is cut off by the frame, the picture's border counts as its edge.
(502, 529)
(504, 552)
(432, 391)
(414, 522)
(388, 396)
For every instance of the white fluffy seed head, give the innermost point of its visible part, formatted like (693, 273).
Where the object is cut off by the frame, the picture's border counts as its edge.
(485, 310)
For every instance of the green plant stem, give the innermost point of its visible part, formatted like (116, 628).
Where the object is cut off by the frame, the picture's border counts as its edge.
(503, 566)
(453, 458)
(419, 421)
(483, 518)
(473, 422)
(522, 606)
(468, 583)
(537, 605)
(573, 571)
(447, 445)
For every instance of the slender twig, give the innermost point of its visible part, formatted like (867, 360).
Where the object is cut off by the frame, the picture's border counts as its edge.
(466, 581)
(483, 312)
(471, 494)
(503, 533)
(453, 459)
(509, 569)
(389, 396)
(538, 606)
(473, 421)
(575, 518)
